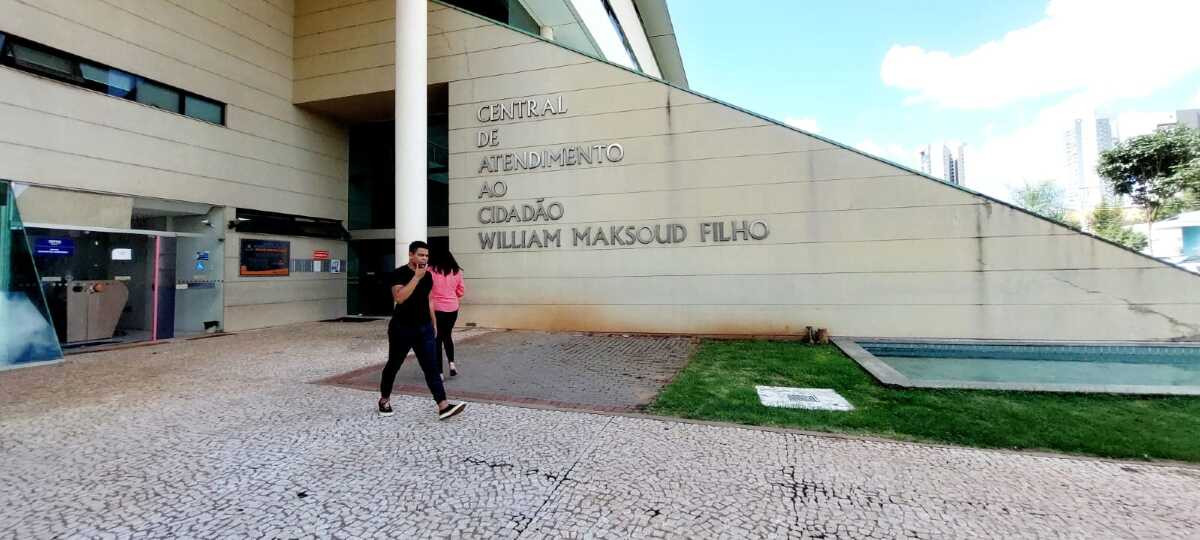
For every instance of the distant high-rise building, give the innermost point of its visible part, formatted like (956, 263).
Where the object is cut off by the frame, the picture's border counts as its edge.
(1188, 117)
(1106, 138)
(1073, 152)
(962, 164)
(952, 166)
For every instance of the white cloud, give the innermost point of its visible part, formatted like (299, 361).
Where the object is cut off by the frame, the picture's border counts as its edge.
(1108, 49)
(803, 123)
(1037, 151)
(1134, 123)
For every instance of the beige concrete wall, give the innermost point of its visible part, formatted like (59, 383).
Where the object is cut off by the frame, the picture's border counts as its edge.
(256, 302)
(57, 206)
(271, 155)
(345, 49)
(856, 245)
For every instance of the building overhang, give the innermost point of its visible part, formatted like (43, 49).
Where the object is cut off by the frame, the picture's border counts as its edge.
(656, 19)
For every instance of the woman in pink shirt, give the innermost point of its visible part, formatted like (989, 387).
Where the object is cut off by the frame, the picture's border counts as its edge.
(447, 289)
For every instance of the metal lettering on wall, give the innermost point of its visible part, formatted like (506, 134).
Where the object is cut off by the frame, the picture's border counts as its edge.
(547, 212)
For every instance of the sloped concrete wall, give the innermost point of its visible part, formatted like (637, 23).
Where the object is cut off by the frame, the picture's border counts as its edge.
(853, 243)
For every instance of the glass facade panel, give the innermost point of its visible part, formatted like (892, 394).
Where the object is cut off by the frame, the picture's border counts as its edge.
(203, 109)
(43, 60)
(26, 331)
(98, 285)
(509, 12)
(438, 169)
(372, 201)
(116, 82)
(372, 177)
(372, 174)
(518, 17)
(157, 95)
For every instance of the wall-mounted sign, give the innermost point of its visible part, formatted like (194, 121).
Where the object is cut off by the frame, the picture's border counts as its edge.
(335, 266)
(201, 266)
(264, 257)
(54, 246)
(122, 254)
(202, 255)
(320, 255)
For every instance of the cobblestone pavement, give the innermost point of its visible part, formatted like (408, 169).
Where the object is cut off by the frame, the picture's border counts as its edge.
(224, 437)
(567, 370)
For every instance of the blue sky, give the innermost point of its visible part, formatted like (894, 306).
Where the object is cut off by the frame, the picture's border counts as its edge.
(890, 77)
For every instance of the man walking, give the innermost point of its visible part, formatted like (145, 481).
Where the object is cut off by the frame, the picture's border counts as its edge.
(414, 327)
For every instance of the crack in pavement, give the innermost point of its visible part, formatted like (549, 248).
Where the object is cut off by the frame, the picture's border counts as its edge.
(591, 448)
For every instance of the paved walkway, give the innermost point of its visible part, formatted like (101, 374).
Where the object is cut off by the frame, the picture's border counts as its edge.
(611, 373)
(225, 437)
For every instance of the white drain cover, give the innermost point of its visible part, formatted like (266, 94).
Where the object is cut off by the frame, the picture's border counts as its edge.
(819, 399)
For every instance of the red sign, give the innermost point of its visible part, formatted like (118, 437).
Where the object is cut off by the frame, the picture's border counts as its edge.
(320, 255)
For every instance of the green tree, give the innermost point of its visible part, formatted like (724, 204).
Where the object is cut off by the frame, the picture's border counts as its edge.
(1045, 198)
(1187, 201)
(1108, 221)
(1154, 169)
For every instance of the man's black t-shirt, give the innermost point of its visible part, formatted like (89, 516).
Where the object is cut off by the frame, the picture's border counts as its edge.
(415, 310)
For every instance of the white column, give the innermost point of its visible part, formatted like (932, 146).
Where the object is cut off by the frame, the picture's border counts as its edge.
(411, 121)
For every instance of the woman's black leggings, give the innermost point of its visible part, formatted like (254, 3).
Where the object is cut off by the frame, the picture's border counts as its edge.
(445, 338)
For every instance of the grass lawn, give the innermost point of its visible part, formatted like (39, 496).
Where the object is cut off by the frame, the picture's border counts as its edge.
(718, 384)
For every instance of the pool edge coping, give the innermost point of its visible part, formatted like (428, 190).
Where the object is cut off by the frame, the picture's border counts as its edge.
(889, 376)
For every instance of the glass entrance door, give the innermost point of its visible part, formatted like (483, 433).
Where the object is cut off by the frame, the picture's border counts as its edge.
(370, 265)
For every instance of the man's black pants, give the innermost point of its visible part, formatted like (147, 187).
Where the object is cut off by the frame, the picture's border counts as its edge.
(419, 339)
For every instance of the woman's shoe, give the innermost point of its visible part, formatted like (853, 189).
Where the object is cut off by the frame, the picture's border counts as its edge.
(385, 407)
(453, 370)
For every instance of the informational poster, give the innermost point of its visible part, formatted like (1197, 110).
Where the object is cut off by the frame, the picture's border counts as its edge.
(265, 257)
(54, 246)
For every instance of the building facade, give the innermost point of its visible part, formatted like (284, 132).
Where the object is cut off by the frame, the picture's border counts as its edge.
(955, 163)
(262, 159)
(950, 168)
(1188, 117)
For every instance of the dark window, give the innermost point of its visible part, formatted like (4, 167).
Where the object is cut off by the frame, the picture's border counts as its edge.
(157, 95)
(372, 169)
(40, 60)
(209, 111)
(36, 58)
(259, 221)
(509, 12)
(114, 82)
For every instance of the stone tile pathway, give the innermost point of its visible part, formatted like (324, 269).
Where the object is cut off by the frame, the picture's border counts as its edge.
(567, 370)
(224, 437)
